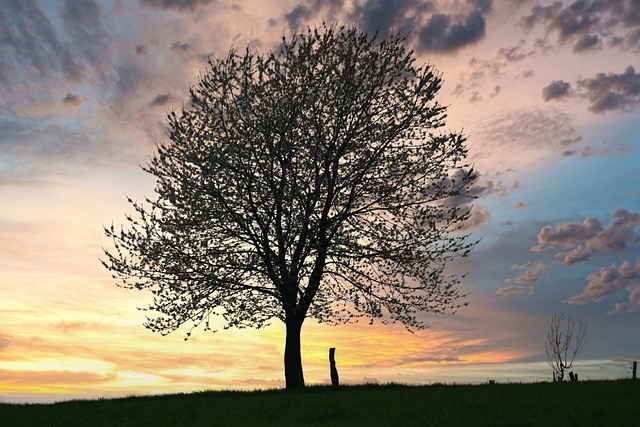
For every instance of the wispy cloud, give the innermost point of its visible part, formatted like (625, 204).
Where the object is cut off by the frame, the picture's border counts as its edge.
(515, 290)
(176, 5)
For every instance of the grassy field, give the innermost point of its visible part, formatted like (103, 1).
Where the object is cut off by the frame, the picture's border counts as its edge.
(586, 403)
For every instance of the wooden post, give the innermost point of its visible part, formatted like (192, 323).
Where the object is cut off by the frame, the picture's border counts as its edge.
(335, 382)
(635, 370)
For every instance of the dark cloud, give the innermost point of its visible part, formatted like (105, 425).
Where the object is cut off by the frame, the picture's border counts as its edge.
(161, 100)
(72, 100)
(587, 42)
(31, 47)
(444, 33)
(610, 280)
(298, 16)
(89, 39)
(303, 12)
(484, 6)
(129, 77)
(463, 202)
(176, 5)
(630, 42)
(515, 53)
(437, 28)
(584, 23)
(609, 92)
(382, 15)
(141, 49)
(557, 89)
(184, 47)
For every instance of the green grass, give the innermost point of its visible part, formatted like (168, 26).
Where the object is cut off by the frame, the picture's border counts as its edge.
(586, 403)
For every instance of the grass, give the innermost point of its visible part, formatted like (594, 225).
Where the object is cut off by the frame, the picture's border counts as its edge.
(586, 403)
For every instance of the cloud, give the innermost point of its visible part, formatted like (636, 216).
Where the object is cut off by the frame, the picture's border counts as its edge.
(72, 100)
(529, 276)
(4, 341)
(435, 27)
(446, 33)
(176, 5)
(527, 129)
(521, 206)
(463, 202)
(579, 254)
(584, 23)
(31, 47)
(587, 42)
(590, 234)
(610, 280)
(608, 149)
(610, 92)
(515, 53)
(557, 89)
(479, 215)
(304, 12)
(161, 100)
(515, 290)
(184, 47)
(567, 234)
(55, 379)
(377, 15)
(70, 326)
(298, 16)
(83, 22)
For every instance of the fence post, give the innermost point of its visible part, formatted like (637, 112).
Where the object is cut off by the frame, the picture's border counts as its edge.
(635, 370)
(335, 382)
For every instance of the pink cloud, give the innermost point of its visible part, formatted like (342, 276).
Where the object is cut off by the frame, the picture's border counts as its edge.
(579, 254)
(610, 280)
(581, 238)
(531, 275)
(515, 290)
(478, 216)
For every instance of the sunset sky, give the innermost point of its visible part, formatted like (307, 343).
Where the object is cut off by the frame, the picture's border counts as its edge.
(548, 93)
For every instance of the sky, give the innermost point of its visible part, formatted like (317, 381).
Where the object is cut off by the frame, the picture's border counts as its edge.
(548, 93)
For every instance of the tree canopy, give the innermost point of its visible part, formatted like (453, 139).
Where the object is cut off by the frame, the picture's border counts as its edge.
(310, 181)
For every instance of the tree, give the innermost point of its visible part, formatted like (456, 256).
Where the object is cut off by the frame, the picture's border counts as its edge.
(565, 340)
(305, 182)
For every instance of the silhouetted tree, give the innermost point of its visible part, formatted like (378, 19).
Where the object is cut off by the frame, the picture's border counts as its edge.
(305, 182)
(566, 338)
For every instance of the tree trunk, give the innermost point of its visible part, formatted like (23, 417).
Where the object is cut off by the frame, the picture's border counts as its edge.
(335, 381)
(292, 359)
